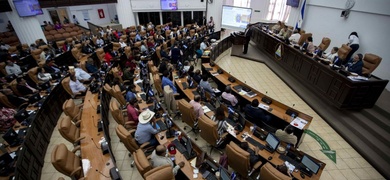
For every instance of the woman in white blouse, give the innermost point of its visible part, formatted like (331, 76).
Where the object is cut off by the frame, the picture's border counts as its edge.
(353, 43)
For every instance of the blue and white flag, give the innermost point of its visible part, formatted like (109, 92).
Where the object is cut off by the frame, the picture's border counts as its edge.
(301, 15)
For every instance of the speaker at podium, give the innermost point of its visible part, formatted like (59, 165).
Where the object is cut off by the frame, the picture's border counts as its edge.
(238, 40)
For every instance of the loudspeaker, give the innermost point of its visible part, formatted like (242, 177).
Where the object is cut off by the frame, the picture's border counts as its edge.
(100, 126)
(231, 79)
(104, 147)
(266, 100)
(290, 112)
(219, 71)
(115, 174)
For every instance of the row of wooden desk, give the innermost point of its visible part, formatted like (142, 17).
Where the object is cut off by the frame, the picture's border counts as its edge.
(278, 111)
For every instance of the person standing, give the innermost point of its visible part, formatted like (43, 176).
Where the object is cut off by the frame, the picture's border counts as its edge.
(247, 34)
(197, 106)
(75, 20)
(353, 43)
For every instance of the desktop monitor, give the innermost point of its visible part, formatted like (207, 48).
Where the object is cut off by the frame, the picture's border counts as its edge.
(190, 82)
(12, 138)
(27, 8)
(34, 98)
(272, 141)
(21, 115)
(200, 159)
(224, 174)
(189, 146)
(310, 164)
(45, 85)
(168, 4)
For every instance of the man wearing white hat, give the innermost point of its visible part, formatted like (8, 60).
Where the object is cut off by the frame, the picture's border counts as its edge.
(145, 131)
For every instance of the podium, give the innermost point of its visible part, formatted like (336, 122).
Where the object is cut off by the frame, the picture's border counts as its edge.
(238, 41)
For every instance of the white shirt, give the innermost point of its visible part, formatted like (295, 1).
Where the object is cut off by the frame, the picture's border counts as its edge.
(15, 69)
(100, 42)
(330, 56)
(295, 37)
(203, 46)
(76, 86)
(81, 74)
(353, 39)
(123, 44)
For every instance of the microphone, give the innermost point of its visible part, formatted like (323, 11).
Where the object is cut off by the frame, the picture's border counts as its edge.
(95, 145)
(93, 121)
(102, 173)
(91, 104)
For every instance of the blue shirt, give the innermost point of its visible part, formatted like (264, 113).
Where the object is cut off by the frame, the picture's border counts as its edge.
(144, 132)
(165, 81)
(129, 96)
(206, 86)
(138, 37)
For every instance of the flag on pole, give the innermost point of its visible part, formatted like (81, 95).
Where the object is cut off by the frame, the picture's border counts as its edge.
(301, 15)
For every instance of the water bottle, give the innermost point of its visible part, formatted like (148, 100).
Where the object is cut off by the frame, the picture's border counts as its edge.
(292, 117)
(254, 128)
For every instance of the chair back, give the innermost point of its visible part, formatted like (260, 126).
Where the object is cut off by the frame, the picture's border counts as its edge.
(70, 109)
(108, 88)
(100, 54)
(267, 171)
(4, 72)
(116, 46)
(83, 65)
(36, 54)
(116, 112)
(158, 52)
(238, 159)
(14, 84)
(33, 74)
(162, 172)
(118, 95)
(370, 63)
(76, 53)
(343, 52)
(158, 83)
(209, 130)
(128, 51)
(303, 38)
(127, 139)
(141, 162)
(187, 112)
(68, 130)
(4, 101)
(324, 43)
(65, 85)
(66, 162)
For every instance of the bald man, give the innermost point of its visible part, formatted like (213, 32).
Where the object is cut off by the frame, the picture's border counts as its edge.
(197, 106)
(159, 158)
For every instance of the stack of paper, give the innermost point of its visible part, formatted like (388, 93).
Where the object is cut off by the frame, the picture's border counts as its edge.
(263, 106)
(357, 78)
(299, 123)
(206, 109)
(215, 74)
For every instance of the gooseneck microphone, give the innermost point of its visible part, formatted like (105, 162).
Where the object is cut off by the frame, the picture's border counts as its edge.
(95, 144)
(102, 173)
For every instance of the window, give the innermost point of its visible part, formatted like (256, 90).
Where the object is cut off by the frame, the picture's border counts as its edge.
(187, 17)
(146, 17)
(175, 17)
(278, 10)
(198, 17)
(242, 3)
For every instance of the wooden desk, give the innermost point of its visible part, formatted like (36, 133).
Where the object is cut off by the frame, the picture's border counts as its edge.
(275, 156)
(90, 147)
(179, 157)
(324, 82)
(278, 108)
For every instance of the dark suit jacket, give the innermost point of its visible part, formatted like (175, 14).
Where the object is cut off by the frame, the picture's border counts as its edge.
(356, 68)
(256, 113)
(24, 90)
(248, 32)
(16, 101)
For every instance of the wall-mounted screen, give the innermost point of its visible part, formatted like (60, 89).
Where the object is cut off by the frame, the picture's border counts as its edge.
(235, 17)
(168, 4)
(293, 3)
(28, 7)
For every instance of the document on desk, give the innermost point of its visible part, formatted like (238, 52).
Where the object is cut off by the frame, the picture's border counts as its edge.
(299, 123)
(216, 90)
(86, 165)
(263, 106)
(215, 73)
(206, 109)
(358, 78)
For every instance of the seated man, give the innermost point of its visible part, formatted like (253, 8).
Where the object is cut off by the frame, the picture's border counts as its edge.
(197, 76)
(24, 88)
(287, 135)
(14, 100)
(197, 106)
(51, 67)
(132, 111)
(204, 83)
(228, 96)
(355, 64)
(166, 81)
(332, 54)
(13, 68)
(91, 68)
(253, 156)
(294, 38)
(81, 75)
(145, 131)
(308, 46)
(76, 87)
(159, 158)
(253, 112)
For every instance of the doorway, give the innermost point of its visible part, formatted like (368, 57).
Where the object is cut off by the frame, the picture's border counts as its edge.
(59, 15)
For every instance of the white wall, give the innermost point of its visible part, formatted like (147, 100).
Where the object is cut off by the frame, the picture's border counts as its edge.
(215, 9)
(370, 20)
(154, 5)
(259, 5)
(3, 24)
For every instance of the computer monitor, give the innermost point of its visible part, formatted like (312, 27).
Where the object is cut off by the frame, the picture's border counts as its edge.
(310, 164)
(189, 146)
(5, 159)
(190, 82)
(200, 159)
(149, 93)
(45, 85)
(34, 98)
(272, 141)
(224, 174)
(21, 115)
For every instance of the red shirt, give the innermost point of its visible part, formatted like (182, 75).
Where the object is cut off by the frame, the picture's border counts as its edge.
(108, 58)
(132, 114)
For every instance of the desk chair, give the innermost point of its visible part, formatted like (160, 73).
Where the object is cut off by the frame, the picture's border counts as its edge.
(343, 52)
(70, 109)
(158, 84)
(188, 116)
(116, 46)
(119, 116)
(100, 54)
(83, 65)
(370, 63)
(77, 54)
(108, 88)
(209, 133)
(13, 85)
(141, 162)
(33, 74)
(271, 173)
(163, 172)
(2, 69)
(69, 131)
(130, 143)
(117, 93)
(239, 160)
(65, 85)
(303, 38)
(324, 43)
(66, 162)
(4, 101)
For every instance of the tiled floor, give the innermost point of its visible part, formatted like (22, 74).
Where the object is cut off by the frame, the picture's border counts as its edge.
(350, 165)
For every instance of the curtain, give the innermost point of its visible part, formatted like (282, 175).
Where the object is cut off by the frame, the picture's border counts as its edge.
(278, 10)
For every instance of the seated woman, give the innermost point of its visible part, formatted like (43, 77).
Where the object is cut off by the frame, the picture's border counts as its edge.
(42, 76)
(219, 117)
(355, 64)
(332, 54)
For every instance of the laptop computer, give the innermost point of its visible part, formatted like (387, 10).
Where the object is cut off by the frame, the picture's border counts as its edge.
(34, 98)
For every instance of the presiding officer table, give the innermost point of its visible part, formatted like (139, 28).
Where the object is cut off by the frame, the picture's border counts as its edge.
(326, 83)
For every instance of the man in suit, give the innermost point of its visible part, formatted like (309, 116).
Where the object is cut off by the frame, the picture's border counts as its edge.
(247, 34)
